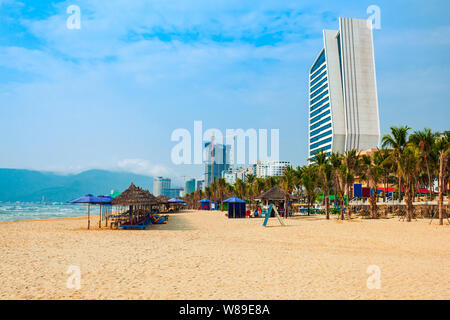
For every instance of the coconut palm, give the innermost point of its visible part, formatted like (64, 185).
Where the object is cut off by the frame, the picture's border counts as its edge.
(383, 159)
(397, 140)
(351, 163)
(208, 192)
(443, 148)
(240, 188)
(338, 174)
(424, 140)
(221, 188)
(298, 181)
(320, 159)
(310, 178)
(287, 184)
(408, 168)
(213, 187)
(372, 172)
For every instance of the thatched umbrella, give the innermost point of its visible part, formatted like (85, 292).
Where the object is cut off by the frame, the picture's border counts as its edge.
(162, 199)
(274, 194)
(134, 196)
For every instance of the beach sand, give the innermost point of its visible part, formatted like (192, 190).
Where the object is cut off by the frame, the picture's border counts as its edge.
(204, 255)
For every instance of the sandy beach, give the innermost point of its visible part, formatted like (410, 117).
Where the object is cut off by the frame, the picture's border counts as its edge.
(204, 255)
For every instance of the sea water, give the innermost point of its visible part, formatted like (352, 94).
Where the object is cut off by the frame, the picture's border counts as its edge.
(16, 211)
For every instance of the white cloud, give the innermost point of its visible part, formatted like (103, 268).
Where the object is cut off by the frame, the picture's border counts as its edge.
(144, 167)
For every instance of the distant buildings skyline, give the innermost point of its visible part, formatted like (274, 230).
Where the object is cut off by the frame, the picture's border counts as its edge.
(162, 186)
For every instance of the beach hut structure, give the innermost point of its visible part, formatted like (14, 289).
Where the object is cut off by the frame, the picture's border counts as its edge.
(89, 199)
(205, 204)
(236, 208)
(139, 202)
(276, 195)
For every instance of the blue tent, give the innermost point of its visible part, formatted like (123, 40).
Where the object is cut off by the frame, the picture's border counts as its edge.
(236, 208)
(90, 199)
(175, 200)
(205, 204)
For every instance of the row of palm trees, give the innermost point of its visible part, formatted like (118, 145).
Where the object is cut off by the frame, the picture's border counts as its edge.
(408, 160)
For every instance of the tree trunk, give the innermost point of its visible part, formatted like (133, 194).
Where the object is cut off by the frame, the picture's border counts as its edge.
(348, 203)
(373, 206)
(327, 207)
(429, 178)
(408, 200)
(441, 187)
(285, 207)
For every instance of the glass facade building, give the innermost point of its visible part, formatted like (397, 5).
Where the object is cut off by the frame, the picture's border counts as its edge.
(343, 102)
(217, 160)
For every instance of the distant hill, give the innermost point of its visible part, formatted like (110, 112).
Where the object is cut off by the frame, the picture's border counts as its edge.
(31, 186)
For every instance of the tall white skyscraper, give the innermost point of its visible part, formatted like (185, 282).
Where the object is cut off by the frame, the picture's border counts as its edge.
(343, 101)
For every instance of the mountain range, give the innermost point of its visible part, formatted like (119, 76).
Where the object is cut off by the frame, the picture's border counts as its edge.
(34, 186)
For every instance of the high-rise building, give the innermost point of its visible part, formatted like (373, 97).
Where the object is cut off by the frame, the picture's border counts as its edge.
(343, 102)
(173, 192)
(270, 168)
(217, 159)
(231, 175)
(200, 184)
(189, 186)
(160, 184)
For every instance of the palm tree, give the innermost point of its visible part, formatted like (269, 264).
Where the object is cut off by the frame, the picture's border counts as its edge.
(208, 192)
(351, 163)
(320, 159)
(271, 182)
(397, 140)
(287, 184)
(310, 179)
(372, 173)
(443, 147)
(382, 158)
(338, 173)
(221, 187)
(249, 180)
(408, 168)
(424, 140)
(298, 180)
(240, 188)
(213, 187)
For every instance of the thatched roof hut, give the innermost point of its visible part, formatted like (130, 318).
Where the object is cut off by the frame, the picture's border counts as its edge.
(134, 196)
(276, 193)
(162, 199)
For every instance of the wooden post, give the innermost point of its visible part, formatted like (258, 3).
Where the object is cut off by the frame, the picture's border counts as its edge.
(100, 218)
(441, 187)
(89, 215)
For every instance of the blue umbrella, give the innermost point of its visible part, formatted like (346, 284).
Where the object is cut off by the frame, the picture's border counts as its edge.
(89, 199)
(175, 200)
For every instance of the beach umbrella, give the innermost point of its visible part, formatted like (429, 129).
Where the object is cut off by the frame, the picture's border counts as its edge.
(175, 200)
(89, 199)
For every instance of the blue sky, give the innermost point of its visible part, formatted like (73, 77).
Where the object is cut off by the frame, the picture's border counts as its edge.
(109, 95)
